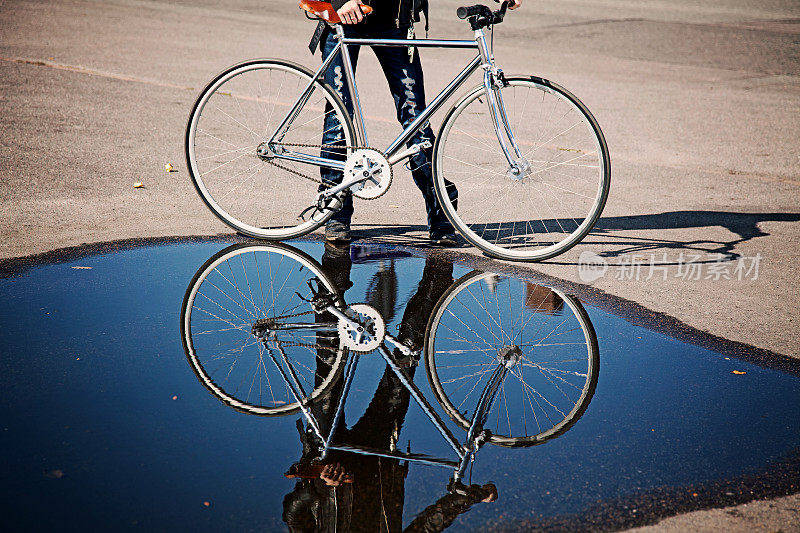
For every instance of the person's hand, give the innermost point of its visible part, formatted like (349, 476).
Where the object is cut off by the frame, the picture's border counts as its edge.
(351, 13)
(333, 475)
(515, 4)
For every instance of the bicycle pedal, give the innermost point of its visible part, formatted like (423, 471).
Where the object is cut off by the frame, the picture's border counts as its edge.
(334, 204)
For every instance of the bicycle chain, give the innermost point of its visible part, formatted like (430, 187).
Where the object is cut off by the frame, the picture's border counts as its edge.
(293, 315)
(288, 344)
(305, 345)
(303, 145)
(300, 344)
(317, 180)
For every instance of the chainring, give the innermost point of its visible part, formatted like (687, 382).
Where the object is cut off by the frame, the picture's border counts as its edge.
(370, 163)
(370, 332)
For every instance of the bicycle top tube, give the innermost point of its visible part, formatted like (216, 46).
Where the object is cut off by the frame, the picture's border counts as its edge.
(420, 43)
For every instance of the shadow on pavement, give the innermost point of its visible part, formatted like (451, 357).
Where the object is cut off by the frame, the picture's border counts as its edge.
(744, 225)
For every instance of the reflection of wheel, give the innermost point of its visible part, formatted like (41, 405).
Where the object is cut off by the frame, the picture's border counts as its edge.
(248, 307)
(482, 319)
(553, 196)
(233, 118)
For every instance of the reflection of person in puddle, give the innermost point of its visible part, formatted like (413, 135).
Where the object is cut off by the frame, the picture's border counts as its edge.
(352, 492)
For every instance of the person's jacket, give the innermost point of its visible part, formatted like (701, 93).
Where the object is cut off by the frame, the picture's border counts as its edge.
(397, 13)
(386, 14)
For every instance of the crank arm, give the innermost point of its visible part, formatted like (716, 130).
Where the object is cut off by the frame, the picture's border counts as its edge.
(327, 193)
(341, 316)
(414, 149)
(405, 350)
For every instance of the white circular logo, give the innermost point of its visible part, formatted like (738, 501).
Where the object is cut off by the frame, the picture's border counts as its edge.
(591, 267)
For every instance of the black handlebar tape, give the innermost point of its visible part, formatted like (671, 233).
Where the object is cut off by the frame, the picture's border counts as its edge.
(464, 12)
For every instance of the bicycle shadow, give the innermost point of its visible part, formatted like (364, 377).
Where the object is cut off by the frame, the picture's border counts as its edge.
(745, 227)
(415, 235)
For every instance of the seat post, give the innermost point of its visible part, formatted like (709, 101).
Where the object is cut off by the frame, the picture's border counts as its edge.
(358, 117)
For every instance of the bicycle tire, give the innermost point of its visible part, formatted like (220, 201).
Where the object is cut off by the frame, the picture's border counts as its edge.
(565, 193)
(561, 376)
(253, 196)
(221, 295)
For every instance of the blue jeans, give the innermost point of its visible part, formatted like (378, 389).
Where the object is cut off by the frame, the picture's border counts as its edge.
(408, 91)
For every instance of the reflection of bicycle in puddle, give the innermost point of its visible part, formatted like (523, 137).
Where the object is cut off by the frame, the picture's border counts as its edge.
(267, 331)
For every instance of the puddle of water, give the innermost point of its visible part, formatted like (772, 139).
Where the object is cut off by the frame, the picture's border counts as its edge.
(104, 418)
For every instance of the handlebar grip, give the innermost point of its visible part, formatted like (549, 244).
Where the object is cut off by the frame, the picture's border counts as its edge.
(464, 12)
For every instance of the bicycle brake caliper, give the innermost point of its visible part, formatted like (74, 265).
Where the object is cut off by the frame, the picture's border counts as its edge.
(498, 79)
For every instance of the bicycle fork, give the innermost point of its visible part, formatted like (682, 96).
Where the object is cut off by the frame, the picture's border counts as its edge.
(477, 435)
(493, 82)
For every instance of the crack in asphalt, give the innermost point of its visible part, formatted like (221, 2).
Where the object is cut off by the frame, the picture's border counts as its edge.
(93, 72)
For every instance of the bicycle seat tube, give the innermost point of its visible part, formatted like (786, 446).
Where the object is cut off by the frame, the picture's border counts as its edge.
(349, 74)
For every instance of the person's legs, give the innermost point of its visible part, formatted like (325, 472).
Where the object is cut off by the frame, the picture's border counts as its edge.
(407, 86)
(338, 226)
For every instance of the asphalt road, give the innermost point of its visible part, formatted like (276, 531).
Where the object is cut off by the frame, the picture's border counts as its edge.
(699, 102)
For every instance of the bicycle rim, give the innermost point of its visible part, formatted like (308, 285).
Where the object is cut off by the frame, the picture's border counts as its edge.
(555, 203)
(229, 294)
(235, 114)
(553, 379)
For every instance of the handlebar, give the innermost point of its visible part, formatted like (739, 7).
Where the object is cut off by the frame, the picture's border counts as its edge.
(481, 16)
(464, 12)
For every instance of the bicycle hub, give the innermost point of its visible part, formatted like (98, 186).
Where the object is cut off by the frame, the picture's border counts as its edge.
(509, 355)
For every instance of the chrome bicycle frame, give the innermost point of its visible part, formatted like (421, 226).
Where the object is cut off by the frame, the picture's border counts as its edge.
(476, 435)
(492, 82)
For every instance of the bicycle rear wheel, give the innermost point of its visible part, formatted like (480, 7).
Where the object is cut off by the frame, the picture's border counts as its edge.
(237, 113)
(485, 317)
(555, 202)
(246, 287)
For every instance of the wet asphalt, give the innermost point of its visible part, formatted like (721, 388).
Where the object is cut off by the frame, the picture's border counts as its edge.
(106, 419)
(695, 102)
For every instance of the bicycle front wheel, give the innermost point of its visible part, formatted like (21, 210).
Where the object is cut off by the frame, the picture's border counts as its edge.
(234, 116)
(541, 335)
(562, 189)
(250, 333)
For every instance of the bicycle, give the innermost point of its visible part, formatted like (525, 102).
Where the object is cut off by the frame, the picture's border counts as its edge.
(267, 332)
(529, 160)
